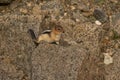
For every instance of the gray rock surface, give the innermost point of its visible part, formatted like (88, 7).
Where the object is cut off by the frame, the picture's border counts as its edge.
(80, 53)
(55, 62)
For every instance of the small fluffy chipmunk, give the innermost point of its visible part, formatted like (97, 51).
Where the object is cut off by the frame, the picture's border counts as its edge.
(50, 36)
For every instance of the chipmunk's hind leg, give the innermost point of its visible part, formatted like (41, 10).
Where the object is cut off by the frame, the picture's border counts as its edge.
(57, 43)
(36, 44)
(37, 40)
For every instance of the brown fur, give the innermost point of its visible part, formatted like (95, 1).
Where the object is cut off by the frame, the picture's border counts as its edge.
(54, 35)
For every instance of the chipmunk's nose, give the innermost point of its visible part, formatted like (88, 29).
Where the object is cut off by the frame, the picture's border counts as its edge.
(63, 31)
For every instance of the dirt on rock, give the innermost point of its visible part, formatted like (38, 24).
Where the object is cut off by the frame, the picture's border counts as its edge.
(80, 55)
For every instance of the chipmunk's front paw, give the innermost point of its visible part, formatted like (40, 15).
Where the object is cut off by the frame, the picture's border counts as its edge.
(57, 43)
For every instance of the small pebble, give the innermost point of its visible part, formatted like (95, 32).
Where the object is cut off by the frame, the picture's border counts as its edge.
(65, 14)
(29, 4)
(98, 22)
(23, 10)
(72, 7)
(77, 20)
(107, 58)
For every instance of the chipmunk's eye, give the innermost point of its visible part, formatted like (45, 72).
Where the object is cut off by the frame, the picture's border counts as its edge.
(58, 29)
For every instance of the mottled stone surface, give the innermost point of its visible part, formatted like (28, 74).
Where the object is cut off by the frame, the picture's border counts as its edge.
(80, 53)
(54, 62)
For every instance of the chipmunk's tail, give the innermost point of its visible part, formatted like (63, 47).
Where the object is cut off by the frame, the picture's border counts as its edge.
(32, 34)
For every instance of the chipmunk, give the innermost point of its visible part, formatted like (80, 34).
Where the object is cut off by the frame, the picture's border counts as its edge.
(50, 36)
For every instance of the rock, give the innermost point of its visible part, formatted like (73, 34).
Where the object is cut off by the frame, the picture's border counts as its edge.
(114, 1)
(107, 58)
(77, 20)
(72, 7)
(77, 15)
(115, 23)
(80, 48)
(112, 69)
(51, 5)
(22, 10)
(74, 2)
(14, 4)
(115, 19)
(98, 22)
(56, 62)
(5, 1)
(114, 35)
(99, 1)
(29, 4)
(65, 14)
(84, 7)
(36, 10)
(100, 15)
(15, 49)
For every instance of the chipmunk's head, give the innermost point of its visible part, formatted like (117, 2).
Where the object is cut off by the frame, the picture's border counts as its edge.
(58, 29)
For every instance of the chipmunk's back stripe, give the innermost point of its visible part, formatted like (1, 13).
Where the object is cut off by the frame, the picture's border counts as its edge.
(47, 32)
